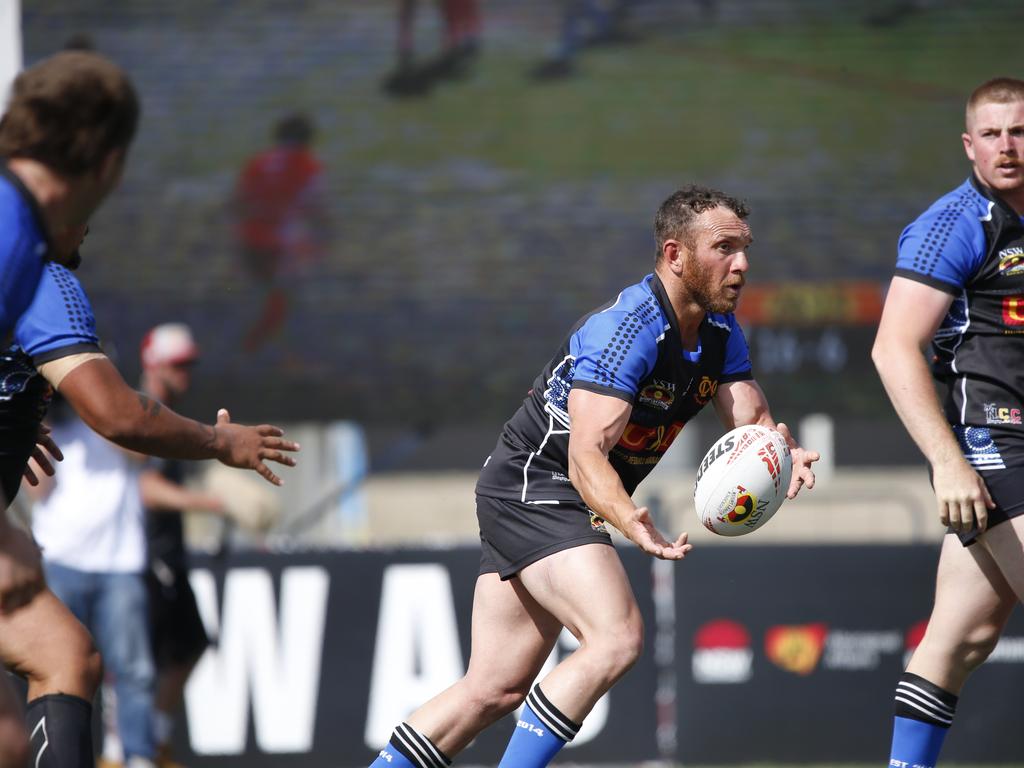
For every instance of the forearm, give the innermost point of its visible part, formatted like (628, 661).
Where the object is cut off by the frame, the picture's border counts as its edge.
(141, 424)
(908, 382)
(600, 486)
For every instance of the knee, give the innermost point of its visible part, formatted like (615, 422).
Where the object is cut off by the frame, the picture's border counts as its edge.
(14, 743)
(496, 698)
(978, 646)
(621, 647)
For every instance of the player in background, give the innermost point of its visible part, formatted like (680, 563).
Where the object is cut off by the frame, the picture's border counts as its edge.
(959, 288)
(56, 345)
(602, 413)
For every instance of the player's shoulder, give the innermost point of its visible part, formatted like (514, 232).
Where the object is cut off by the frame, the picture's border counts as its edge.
(960, 210)
(638, 304)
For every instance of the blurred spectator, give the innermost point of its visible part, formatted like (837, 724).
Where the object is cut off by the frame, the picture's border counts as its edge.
(95, 557)
(281, 223)
(583, 22)
(168, 355)
(461, 43)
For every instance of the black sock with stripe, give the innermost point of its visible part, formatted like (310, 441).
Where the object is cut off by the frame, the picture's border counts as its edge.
(919, 699)
(417, 748)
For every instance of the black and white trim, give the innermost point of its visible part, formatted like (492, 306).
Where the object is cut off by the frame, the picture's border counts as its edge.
(418, 748)
(918, 699)
(548, 713)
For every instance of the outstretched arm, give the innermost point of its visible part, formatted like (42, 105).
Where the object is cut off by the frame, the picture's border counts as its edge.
(104, 401)
(743, 402)
(911, 316)
(597, 424)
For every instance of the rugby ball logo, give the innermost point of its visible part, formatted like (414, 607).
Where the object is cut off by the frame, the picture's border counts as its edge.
(742, 480)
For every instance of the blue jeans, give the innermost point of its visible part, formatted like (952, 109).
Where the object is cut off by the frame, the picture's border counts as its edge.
(114, 608)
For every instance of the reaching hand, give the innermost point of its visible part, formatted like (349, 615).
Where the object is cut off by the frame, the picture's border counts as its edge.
(248, 447)
(803, 475)
(962, 496)
(44, 446)
(639, 529)
(21, 570)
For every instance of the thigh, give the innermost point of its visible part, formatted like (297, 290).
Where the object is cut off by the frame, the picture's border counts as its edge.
(585, 588)
(43, 640)
(512, 634)
(1005, 545)
(972, 601)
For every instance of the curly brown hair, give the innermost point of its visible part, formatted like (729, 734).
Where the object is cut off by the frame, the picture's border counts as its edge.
(69, 112)
(676, 215)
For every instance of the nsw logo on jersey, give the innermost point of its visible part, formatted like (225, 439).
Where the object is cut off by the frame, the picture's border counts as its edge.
(1011, 261)
(658, 394)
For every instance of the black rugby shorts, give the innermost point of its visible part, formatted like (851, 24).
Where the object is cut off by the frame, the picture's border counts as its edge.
(176, 629)
(513, 534)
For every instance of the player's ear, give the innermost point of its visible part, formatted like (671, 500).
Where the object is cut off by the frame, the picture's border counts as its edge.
(673, 253)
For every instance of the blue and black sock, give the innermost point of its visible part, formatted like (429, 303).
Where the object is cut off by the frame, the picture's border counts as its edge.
(540, 732)
(408, 748)
(924, 713)
(60, 729)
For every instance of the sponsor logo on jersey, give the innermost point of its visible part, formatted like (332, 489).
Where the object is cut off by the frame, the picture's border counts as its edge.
(1013, 310)
(649, 439)
(996, 414)
(1011, 261)
(597, 522)
(706, 389)
(795, 648)
(658, 394)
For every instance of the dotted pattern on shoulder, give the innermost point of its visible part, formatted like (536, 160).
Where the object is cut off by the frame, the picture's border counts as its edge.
(77, 306)
(934, 244)
(622, 340)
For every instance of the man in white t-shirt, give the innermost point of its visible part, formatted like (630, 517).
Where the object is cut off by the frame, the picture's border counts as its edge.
(95, 563)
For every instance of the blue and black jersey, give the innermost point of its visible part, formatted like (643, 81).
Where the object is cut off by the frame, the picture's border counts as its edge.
(970, 244)
(630, 349)
(58, 322)
(24, 248)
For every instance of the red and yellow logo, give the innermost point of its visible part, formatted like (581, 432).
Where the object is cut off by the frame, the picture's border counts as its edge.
(746, 503)
(1013, 310)
(706, 389)
(796, 648)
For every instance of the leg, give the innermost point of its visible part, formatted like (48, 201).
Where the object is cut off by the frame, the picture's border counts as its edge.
(122, 632)
(44, 643)
(1005, 544)
(511, 638)
(610, 629)
(611, 636)
(972, 603)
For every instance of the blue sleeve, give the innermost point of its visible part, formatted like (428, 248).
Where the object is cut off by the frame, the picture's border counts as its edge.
(737, 354)
(614, 352)
(943, 248)
(21, 265)
(59, 321)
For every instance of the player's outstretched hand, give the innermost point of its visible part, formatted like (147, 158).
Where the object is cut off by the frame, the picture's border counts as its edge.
(21, 568)
(962, 496)
(641, 531)
(802, 475)
(249, 447)
(45, 450)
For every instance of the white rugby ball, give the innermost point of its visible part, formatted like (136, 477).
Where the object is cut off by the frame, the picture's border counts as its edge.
(742, 480)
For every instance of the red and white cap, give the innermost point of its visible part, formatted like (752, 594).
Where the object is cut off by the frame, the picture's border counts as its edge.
(168, 344)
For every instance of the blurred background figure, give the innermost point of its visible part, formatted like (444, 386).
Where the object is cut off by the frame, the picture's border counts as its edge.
(94, 554)
(281, 223)
(460, 46)
(584, 22)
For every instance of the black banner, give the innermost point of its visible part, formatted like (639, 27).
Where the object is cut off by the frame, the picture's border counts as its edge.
(777, 653)
(319, 656)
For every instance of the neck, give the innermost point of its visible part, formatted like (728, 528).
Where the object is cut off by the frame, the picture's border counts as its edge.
(689, 314)
(1013, 198)
(51, 191)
